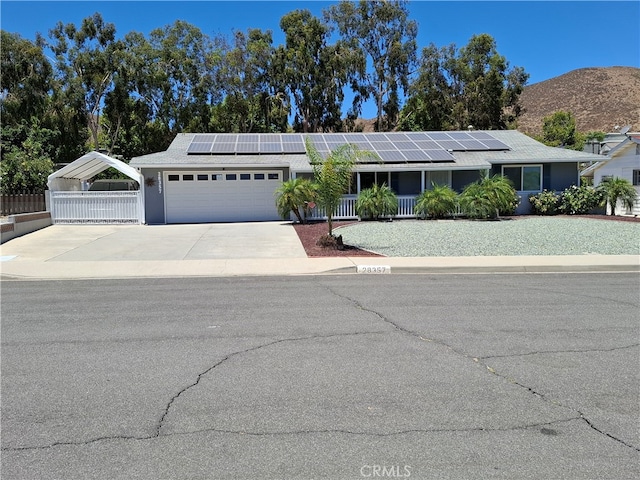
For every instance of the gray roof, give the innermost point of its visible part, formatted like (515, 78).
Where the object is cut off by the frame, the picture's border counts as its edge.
(523, 149)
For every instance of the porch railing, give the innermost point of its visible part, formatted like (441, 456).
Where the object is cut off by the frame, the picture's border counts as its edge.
(347, 209)
(97, 207)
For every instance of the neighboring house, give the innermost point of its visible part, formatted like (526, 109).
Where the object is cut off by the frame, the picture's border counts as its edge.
(233, 177)
(623, 160)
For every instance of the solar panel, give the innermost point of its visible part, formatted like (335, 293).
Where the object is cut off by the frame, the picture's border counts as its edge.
(489, 141)
(247, 147)
(270, 147)
(362, 144)
(427, 144)
(396, 137)
(227, 138)
(416, 136)
(460, 135)
(319, 143)
(415, 155)
(223, 148)
(270, 138)
(495, 145)
(439, 156)
(200, 147)
(438, 136)
(357, 137)
(391, 156)
(449, 145)
(382, 146)
(289, 147)
(393, 143)
(406, 145)
(472, 145)
(292, 138)
(334, 137)
(203, 138)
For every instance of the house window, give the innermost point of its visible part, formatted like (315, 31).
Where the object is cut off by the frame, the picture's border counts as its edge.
(245, 176)
(174, 178)
(258, 176)
(274, 176)
(636, 177)
(438, 177)
(369, 179)
(216, 176)
(203, 177)
(525, 178)
(406, 183)
(187, 177)
(231, 176)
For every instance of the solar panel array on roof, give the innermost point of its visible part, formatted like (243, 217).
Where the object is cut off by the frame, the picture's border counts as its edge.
(391, 147)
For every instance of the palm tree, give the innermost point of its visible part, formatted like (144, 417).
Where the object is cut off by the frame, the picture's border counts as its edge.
(615, 189)
(439, 202)
(377, 201)
(293, 195)
(333, 174)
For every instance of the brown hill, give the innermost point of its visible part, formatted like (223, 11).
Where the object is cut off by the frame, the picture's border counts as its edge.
(598, 98)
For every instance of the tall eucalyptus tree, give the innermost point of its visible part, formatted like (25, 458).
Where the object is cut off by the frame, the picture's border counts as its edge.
(315, 72)
(382, 31)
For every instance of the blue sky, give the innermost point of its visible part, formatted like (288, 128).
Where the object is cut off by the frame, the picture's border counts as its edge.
(546, 38)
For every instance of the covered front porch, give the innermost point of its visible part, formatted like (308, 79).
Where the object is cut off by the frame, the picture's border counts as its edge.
(407, 185)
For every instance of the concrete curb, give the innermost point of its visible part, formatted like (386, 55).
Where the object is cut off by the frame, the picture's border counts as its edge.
(57, 270)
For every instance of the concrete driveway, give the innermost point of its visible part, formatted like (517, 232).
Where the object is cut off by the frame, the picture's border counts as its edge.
(112, 243)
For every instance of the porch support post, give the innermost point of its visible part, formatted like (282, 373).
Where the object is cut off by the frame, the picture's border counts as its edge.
(358, 182)
(422, 180)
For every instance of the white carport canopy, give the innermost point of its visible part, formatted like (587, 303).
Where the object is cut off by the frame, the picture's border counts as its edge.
(69, 204)
(86, 167)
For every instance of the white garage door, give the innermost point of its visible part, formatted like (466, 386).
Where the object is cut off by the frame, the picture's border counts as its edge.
(200, 197)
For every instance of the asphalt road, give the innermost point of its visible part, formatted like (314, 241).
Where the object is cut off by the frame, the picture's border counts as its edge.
(340, 377)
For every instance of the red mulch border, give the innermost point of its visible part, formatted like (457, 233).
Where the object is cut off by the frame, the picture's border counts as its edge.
(312, 231)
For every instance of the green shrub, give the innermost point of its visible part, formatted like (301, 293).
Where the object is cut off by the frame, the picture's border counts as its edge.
(376, 202)
(489, 198)
(439, 202)
(293, 196)
(579, 200)
(545, 203)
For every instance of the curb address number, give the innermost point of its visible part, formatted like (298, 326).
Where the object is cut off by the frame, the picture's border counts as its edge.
(374, 269)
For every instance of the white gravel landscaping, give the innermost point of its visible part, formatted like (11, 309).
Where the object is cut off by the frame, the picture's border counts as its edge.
(519, 236)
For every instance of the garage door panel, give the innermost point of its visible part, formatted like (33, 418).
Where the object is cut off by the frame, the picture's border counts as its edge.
(221, 200)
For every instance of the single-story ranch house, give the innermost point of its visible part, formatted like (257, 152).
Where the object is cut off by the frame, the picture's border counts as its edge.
(232, 177)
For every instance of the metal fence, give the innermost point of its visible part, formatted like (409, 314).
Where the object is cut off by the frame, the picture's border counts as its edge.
(26, 202)
(97, 207)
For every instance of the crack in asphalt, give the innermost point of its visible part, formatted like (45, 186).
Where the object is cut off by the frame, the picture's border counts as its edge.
(241, 352)
(543, 352)
(291, 433)
(158, 428)
(486, 365)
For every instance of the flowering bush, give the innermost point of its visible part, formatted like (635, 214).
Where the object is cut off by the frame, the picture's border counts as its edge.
(579, 200)
(545, 203)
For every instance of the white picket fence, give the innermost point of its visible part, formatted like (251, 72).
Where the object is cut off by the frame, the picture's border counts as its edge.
(97, 207)
(347, 209)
